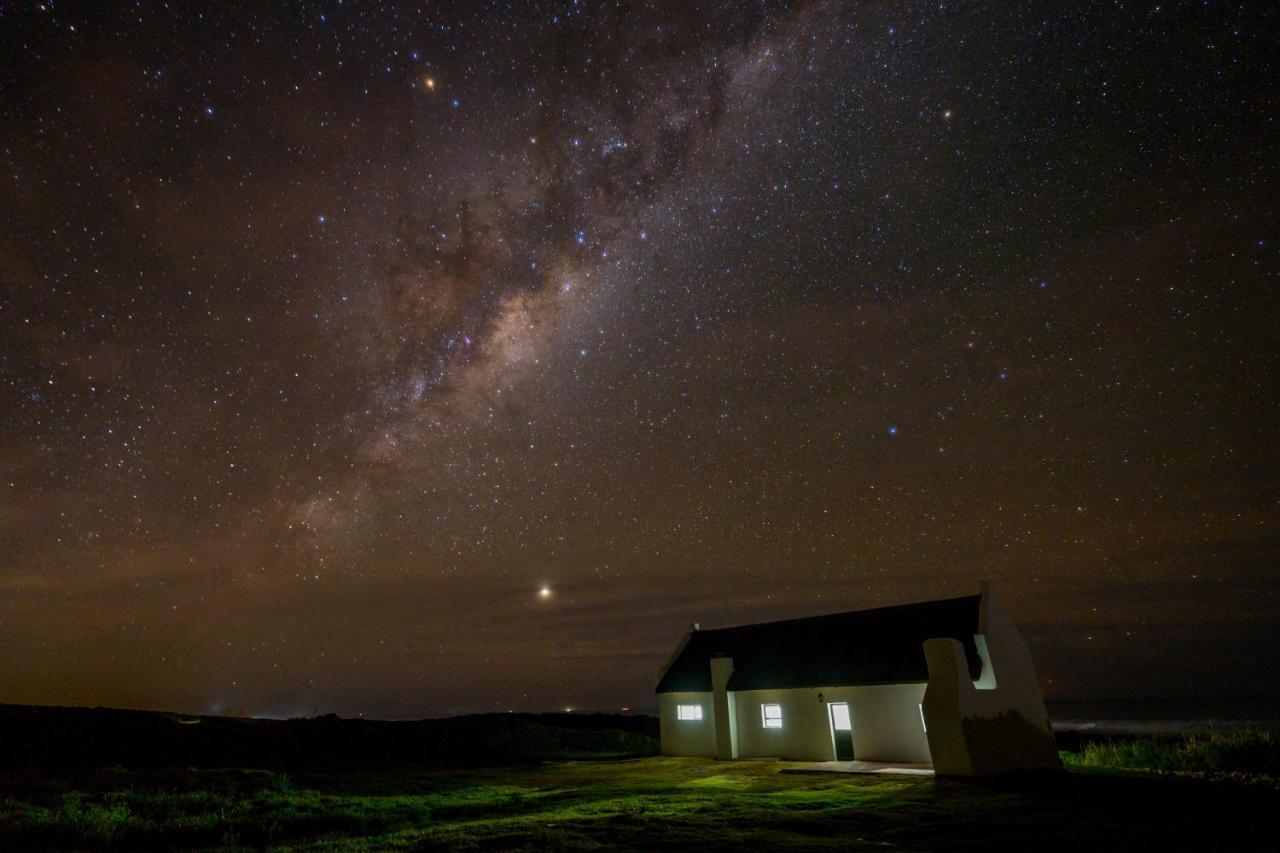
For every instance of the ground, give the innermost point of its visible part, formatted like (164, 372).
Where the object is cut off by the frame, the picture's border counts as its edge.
(639, 804)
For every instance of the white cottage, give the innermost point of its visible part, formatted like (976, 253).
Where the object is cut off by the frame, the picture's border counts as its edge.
(948, 683)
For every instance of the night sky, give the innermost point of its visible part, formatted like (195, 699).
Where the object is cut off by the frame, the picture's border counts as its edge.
(407, 359)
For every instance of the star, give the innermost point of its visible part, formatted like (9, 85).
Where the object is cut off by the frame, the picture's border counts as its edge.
(629, 316)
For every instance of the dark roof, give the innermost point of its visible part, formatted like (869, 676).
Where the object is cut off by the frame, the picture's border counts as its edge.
(880, 646)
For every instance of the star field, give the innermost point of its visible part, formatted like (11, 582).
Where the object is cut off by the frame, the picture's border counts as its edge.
(398, 360)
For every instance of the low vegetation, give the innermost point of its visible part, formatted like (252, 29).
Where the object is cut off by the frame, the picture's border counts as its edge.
(104, 737)
(1247, 752)
(640, 804)
(93, 779)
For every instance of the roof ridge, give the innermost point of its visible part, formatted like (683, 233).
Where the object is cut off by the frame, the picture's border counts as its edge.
(953, 600)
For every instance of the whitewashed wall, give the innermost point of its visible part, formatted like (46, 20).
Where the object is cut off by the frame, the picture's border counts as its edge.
(687, 737)
(886, 723)
(998, 724)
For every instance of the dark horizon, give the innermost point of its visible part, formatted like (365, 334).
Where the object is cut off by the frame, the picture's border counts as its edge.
(1172, 709)
(397, 362)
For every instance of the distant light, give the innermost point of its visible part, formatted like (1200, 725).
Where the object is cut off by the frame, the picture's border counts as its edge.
(893, 430)
(208, 111)
(429, 83)
(322, 219)
(545, 592)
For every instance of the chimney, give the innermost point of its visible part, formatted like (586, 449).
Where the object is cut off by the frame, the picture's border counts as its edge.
(722, 704)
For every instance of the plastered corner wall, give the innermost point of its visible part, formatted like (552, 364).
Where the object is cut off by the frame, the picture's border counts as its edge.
(976, 731)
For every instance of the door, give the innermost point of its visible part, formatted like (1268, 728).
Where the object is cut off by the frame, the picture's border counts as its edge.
(842, 730)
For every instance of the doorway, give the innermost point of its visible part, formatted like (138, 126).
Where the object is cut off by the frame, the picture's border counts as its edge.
(841, 730)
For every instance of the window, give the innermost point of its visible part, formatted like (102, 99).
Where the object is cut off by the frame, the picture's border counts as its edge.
(840, 720)
(688, 712)
(771, 716)
(923, 724)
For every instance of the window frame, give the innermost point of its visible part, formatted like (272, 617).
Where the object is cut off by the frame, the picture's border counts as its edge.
(770, 722)
(682, 708)
(848, 716)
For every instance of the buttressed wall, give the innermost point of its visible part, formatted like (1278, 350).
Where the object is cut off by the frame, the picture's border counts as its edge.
(998, 725)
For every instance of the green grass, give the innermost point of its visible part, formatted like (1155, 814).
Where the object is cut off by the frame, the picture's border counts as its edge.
(1241, 751)
(642, 804)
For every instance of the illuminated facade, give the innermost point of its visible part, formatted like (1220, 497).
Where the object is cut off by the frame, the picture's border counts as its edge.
(948, 683)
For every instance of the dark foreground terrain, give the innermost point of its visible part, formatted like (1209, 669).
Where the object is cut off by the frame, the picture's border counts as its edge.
(332, 800)
(46, 737)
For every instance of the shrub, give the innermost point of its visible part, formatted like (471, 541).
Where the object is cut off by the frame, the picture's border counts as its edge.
(1253, 751)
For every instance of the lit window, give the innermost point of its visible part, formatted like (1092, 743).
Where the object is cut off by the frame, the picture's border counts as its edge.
(840, 720)
(771, 716)
(688, 712)
(923, 724)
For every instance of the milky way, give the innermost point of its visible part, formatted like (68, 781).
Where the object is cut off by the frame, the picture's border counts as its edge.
(399, 361)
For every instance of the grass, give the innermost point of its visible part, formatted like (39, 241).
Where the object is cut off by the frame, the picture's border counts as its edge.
(642, 804)
(1242, 752)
